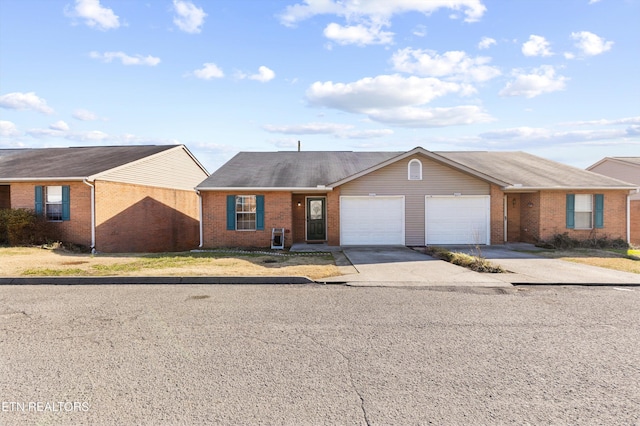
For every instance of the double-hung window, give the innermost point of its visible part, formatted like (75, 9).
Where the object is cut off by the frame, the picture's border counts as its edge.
(585, 211)
(53, 202)
(245, 212)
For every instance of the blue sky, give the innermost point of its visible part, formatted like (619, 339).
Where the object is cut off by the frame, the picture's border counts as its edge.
(556, 78)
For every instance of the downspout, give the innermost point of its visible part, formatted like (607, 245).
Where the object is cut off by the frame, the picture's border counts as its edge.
(200, 217)
(93, 215)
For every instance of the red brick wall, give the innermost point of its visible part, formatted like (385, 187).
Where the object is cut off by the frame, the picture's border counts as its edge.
(78, 229)
(497, 215)
(552, 205)
(635, 222)
(136, 218)
(333, 217)
(278, 212)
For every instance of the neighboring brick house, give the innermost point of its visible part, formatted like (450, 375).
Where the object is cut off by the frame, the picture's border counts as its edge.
(109, 198)
(412, 198)
(628, 170)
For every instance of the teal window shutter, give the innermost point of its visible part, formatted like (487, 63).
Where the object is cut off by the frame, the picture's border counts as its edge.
(259, 212)
(571, 203)
(599, 211)
(231, 212)
(66, 205)
(39, 200)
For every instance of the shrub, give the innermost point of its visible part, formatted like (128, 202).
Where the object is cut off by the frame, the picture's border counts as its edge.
(565, 242)
(475, 263)
(24, 227)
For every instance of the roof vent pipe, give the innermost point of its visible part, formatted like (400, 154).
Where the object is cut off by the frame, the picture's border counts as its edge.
(298, 146)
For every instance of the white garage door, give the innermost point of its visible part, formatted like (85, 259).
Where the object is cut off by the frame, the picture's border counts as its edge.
(371, 220)
(457, 220)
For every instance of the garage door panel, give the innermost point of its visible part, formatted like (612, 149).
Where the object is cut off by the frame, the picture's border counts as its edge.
(457, 220)
(371, 220)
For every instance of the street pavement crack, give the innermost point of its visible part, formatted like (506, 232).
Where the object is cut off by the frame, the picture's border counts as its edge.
(351, 379)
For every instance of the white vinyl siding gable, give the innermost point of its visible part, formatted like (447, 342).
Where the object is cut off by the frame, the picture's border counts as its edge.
(174, 169)
(437, 179)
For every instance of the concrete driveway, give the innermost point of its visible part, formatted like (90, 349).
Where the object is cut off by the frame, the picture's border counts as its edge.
(528, 268)
(402, 266)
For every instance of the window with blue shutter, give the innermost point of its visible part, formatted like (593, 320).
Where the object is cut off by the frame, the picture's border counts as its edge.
(259, 212)
(231, 212)
(571, 220)
(66, 203)
(39, 207)
(599, 215)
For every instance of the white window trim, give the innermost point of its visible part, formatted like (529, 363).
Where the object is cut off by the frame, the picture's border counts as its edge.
(255, 220)
(591, 212)
(47, 203)
(415, 160)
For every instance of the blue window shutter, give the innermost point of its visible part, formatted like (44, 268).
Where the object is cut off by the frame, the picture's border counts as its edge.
(39, 200)
(599, 210)
(66, 205)
(231, 212)
(571, 203)
(259, 212)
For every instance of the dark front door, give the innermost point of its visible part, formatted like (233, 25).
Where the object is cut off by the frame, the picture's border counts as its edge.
(316, 219)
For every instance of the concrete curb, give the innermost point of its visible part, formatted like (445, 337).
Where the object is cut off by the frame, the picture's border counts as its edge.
(529, 284)
(152, 280)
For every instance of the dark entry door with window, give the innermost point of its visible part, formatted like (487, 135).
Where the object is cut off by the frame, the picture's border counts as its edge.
(316, 219)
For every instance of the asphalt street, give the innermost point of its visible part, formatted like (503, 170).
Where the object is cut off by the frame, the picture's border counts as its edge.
(318, 354)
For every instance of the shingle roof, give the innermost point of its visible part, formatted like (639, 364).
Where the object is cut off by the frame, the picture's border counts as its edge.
(530, 171)
(292, 169)
(77, 162)
(307, 169)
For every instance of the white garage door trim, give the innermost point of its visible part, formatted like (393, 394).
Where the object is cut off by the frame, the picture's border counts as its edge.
(372, 220)
(451, 225)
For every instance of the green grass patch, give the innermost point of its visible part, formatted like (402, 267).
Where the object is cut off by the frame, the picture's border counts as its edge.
(50, 272)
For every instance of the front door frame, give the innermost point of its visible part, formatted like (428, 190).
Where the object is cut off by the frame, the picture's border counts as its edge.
(306, 215)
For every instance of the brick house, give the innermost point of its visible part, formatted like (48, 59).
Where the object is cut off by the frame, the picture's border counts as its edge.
(411, 198)
(628, 170)
(109, 198)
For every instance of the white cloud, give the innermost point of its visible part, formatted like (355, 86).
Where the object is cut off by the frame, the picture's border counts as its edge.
(126, 59)
(532, 136)
(360, 34)
(381, 92)
(382, 10)
(431, 117)
(536, 46)
(343, 131)
(605, 122)
(455, 64)
(59, 125)
(593, 1)
(264, 74)
(540, 80)
(209, 71)
(308, 129)
(486, 42)
(8, 129)
(25, 101)
(420, 31)
(591, 44)
(94, 14)
(189, 18)
(84, 115)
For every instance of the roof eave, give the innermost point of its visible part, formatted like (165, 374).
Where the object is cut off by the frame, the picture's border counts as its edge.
(266, 189)
(42, 179)
(567, 188)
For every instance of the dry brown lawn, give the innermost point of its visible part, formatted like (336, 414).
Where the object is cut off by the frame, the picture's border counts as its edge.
(28, 261)
(603, 258)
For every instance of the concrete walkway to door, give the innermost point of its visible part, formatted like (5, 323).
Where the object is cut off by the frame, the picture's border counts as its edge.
(401, 266)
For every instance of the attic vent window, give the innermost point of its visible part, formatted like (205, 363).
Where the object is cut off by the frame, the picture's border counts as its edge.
(415, 169)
